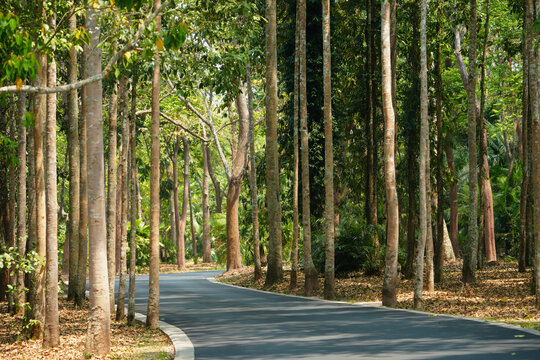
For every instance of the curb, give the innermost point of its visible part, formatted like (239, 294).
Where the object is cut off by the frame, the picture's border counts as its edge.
(378, 304)
(183, 347)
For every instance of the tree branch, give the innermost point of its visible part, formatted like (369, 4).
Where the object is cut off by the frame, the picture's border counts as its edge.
(174, 122)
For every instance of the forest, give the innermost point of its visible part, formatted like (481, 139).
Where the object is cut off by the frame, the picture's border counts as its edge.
(307, 138)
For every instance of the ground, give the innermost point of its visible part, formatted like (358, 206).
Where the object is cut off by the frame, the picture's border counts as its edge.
(126, 342)
(501, 293)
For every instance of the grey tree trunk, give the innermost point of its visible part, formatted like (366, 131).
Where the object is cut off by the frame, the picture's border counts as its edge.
(206, 240)
(111, 195)
(181, 255)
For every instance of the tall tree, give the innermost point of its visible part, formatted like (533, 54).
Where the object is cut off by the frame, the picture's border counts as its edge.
(329, 281)
(424, 148)
(98, 336)
(206, 240)
(275, 271)
(392, 233)
(153, 286)
(74, 168)
(51, 335)
(192, 227)
(469, 258)
(21, 209)
(181, 255)
(111, 194)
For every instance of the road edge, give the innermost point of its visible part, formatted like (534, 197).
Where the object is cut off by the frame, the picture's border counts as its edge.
(378, 305)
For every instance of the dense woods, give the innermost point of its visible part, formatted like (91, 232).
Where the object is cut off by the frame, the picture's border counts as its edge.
(378, 136)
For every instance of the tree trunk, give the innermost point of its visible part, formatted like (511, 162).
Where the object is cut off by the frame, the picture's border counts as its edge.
(153, 286)
(469, 259)
(181, 254)
(111, 198)
(206, 239)
(234, 255)
(118, 218)
(215, 182)
(275, 271)
(329, 281)
(424, 195)
(98, 335)
(37, 304)
(74, 170)
(51, 335)
(296, 98)
(21, 209)
(192, 228)
(83, 200)
(253, 186)
(311, 283)
(134, 201)
(390, 271)
(453, 192)
(121, 299)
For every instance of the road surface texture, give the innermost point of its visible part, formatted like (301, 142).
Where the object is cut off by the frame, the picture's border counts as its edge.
(225, 322)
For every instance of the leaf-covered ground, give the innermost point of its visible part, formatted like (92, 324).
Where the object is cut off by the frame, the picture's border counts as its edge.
(501, 293)
(127, 342)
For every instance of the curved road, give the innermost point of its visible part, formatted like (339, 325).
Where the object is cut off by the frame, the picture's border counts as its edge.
(225, 322)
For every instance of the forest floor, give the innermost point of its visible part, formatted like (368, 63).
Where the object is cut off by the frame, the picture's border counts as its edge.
(190, 267)
(500, 293)
(127, 342)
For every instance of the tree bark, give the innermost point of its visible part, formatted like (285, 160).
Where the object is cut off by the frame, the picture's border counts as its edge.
(296, 98)
(121, 299)
(254, 189)
(98, 335)
(21, 204)
(74, 170)
(215, 182)
(453, 192)
(51, 335)
(83, 200)
(469, 259)
(329, 278)
(133, 209)
(118, 218)
(181, 254)
(111, 198)
(192, 228)
(390, 272)
(152, 317)
(275, 271)
(424, 156)
(206, 238)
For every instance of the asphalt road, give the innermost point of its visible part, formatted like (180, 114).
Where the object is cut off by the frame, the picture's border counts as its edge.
(224, 322)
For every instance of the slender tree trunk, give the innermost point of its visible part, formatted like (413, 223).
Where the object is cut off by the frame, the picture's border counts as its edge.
(118, 218)
(469, 260)
(12, 205)
(83, 200)
(51, 335)
(32, 215)
(181, 255)
(40, 108)
(439, 248)
(234, 256)
(430, 274)
(275, 271)
(192, 228)
(329, 281)
(390, 272)
(206, 240)
(74, 170)
(153, 286)
(120, 309)
(98, 336)
(215, 182)
(134, 201)
(453, 192)
(424, 156)
(21, 204)
(253, 185)
(526, 119)
(176, 210)
(111, 198)
(311, 283)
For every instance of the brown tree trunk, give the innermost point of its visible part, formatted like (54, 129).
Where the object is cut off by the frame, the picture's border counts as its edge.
(215, 182)
(51, 335)
(121, 299)
(74, 170)
(311, 283)
(206, 240)
(234, 256)
(453, 192)
(37, 303)
(83, 201)
(275, 271)
(153, 286)
(133, 209)
(118, 218)
(424, 194)
(253, 185)
(181, 254)
(20, 298)
(98, 335)
(469, 259)
(111, 198)
(192, 228)
(329, 281)
(390, 272)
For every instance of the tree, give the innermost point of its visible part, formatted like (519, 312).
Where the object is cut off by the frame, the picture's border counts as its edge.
(329, 285)
(153, 286)
(21, 210)
(425, 197)
(98, 336)
(275, 271)
(181, 222)
(469, 258)
(392, 232)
